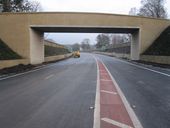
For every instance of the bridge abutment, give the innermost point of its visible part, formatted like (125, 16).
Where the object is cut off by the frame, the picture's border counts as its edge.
(36, 47)
(135, 46)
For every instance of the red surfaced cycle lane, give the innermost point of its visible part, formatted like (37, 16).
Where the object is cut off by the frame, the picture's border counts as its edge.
(113, 113)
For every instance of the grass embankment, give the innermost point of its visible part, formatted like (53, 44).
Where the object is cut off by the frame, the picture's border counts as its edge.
(6, 53)
(161, 46)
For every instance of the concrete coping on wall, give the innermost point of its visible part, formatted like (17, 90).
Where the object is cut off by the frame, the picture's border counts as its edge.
(147, 58)
(113, 54)
(86, 13)
(57, 57)
(156, 59)
(11, 63)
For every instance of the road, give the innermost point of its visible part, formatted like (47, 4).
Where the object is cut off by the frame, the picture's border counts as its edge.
(148, 91)
(60, 95)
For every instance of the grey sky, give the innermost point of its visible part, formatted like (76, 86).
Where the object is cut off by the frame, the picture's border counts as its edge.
(71, 38)
(101, 6)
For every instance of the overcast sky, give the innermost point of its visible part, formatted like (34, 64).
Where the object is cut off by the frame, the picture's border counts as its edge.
(101, 6)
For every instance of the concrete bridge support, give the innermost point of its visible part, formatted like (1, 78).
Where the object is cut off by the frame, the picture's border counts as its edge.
(36, 47)
(135, 46)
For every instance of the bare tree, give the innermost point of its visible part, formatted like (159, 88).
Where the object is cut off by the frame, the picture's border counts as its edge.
(76, 47)
(6, 5)
(31, 6)
(133, 11)
(103, 41)
(117, 39)
(153, 8)
(20, 6)
(85, 44)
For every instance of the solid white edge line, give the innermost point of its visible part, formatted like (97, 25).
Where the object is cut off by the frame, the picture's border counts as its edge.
(116, 123)
(19, 74)
(130, 111)
(27, 72)
(33, 70)
(165, 74)
(96, 123)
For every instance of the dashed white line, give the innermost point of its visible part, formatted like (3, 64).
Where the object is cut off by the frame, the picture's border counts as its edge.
(48, 77)
(116, 123)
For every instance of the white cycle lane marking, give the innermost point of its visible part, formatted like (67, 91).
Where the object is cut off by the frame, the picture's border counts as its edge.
(109, 92)
(116, 123)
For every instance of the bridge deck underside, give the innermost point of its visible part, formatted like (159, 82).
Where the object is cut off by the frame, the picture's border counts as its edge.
(84, 29)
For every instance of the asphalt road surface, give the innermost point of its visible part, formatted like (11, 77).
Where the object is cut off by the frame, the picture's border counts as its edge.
(60, 94)
(147, 92)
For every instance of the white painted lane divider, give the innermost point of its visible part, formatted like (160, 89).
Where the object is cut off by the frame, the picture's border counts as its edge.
(96, 123)
(109, 92)
(48, 77)
(116, 123)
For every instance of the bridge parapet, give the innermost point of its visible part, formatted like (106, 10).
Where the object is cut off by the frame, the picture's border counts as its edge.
(23, 32)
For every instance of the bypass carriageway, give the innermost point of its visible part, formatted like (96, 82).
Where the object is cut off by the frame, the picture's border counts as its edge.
(63, 94)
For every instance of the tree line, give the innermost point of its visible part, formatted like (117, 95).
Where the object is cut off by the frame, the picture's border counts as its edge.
(150, 8)
(20, 6)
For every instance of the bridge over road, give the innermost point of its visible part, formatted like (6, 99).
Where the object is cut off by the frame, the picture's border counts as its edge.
(23, 32)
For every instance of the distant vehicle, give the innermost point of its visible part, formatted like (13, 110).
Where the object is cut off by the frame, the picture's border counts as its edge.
(76, 54)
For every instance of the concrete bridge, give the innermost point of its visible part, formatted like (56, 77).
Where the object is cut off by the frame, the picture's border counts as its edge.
(23, 32)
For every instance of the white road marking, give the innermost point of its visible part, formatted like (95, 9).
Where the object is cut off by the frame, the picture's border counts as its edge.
(130, 111)
(19, 74)
(102, 70)
(116, 123)
(140, 82)
(48, 77)
(34, 70)
(109, 92)
(96, 123)
(105, 80)
(165, 74)
(103, 73)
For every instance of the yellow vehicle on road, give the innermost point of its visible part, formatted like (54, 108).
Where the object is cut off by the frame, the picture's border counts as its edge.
(76, 54)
